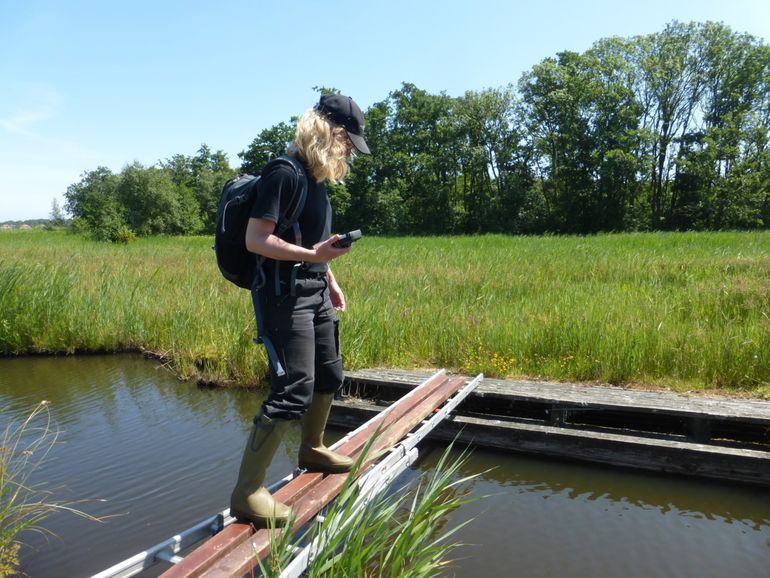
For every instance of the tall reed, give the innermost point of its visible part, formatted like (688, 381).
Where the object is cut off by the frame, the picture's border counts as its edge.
(401, 534)
(25, 504)
(682, 310)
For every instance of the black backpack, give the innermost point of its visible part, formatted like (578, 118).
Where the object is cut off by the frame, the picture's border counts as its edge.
(236, 263)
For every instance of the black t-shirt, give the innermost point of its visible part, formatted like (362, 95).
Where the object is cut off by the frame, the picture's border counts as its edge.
(276, 189)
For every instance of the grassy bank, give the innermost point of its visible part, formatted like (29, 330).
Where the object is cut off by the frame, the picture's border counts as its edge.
(686, 310)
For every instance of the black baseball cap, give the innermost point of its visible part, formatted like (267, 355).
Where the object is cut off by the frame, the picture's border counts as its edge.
(343, 111)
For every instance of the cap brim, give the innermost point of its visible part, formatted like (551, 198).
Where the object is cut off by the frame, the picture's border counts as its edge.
(359, 143)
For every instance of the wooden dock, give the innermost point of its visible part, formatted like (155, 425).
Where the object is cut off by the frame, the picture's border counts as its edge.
(235, 550)
(712, 437)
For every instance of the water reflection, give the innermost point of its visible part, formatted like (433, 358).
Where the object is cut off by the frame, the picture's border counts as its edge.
(653, 492)
(70, 383)
(164, 454)
(554, 518)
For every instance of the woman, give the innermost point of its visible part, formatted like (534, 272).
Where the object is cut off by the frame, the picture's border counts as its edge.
(295, 307)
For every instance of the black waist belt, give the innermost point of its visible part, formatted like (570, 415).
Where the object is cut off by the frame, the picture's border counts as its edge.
(305, 274)
(289, 273)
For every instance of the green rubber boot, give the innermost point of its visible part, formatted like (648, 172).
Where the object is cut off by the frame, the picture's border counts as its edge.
(250, 500)
(313, 454)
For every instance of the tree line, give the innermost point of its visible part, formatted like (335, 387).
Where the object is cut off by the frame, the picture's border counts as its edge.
(667, 131)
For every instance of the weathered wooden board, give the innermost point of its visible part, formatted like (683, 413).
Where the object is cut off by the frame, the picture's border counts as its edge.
(576, 395)
(654, 453)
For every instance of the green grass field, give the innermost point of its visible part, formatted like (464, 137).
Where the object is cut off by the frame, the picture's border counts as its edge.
(690, 311)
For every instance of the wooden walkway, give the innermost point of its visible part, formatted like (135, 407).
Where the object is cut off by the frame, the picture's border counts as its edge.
(234, 551)
(713, 437)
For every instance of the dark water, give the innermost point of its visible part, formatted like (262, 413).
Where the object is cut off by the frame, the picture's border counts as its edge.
(163, 455)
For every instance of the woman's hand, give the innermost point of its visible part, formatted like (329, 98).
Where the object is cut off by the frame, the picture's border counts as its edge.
(335, 293)
(325, 252)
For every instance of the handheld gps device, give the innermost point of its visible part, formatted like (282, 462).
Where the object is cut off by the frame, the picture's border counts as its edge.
(347, 239)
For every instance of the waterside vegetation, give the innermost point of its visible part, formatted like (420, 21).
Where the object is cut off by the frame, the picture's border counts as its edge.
(689, 311)
(401, 534)
(25, 504)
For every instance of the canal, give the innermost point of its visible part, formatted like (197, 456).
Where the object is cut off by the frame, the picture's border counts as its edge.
(152, 456)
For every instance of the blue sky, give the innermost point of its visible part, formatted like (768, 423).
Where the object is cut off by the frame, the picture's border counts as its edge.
(88, 83)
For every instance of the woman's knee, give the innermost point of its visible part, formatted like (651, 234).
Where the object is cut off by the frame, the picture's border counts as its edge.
(329, 377)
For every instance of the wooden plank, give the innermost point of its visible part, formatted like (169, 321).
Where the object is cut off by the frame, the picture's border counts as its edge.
(744, 424)
(662, 455)
(200, 560)
(676, 456)
(242, 559)
(197, 561)
(593, 396)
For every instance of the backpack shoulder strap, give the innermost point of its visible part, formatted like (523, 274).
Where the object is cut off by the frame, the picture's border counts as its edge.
(299, 196)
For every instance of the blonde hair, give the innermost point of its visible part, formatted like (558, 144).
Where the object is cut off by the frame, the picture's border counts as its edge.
(321, 146)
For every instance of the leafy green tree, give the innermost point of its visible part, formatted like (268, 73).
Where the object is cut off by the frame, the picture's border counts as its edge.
(373, 188)
(210, 171)
(94, 205)
(494, 169)
(179, 168)
(271, 142)
(716, 178)
(155, 205)
(203, 177)
(668, 89)
(424, 153)
(614, 116)
(556, 98)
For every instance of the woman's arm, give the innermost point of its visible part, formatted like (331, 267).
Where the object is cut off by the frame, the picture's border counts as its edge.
(260, 240)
